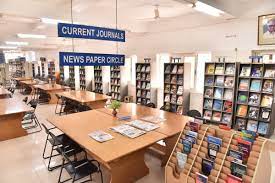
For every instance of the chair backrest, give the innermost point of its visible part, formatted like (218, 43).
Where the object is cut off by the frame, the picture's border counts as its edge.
(25, 99)
(152, 105)
(45, 128)
(193, 113)
(57, 96)
(33, 103)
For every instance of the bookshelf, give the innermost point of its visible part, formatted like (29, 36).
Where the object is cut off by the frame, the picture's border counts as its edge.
(33, 70)
(62, 77)
(82, 78)
(219, 92)
(115, 82)
(221, 168)
(255, 106)
(174, 86)
(143, 83)
(71, 77)
(43, 70)
(17, 67)
(39, 71)
(98, 79)
(51, 70)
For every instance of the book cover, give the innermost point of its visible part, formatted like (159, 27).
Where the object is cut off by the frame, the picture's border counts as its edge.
(265, 114)
(243, 85)
(215, 140)
(228, 94)
(219, 69)
(180, 90)
(167, 107)
(167, 78)
(249, 135)
(229, 82)
(267, 101)
(245, 71)
(226, 118)
(148, 68)
(148, 94)
(192, 133)
(210, 69)
(254, 99)
(143, 68)
(236, 155)
(174, 89)
(255, 85)
(180, 100)
(194, 126)
(148, 86)
(143, 76)
(227, 106)
(253, 112)
(180, 80)
(138, 68)
(209, 81)
(174, 79)
(167, 88)
(207, 166)
(242, 97)
(175, 69)
(191, 139)
(269, 73)
(173, 108)
(101, 136)
(208, 92)
(217, 105)
(138, 76)
(168, 69)
(213, 149)
(167, 98)
(148, 77)
(182, 158)
(252, 125)
(180, 69)
(174, 99)
(139, 93)
(230, 69)
(244, 146)
(216, 116)
(218, 93)
(200, 178)
(179, 110)
(233, 179)
(240, 124)
(207, 115)
(238, 169)
(268, 86)
(219, 81)
(257, 71)
(242, 110)
(263, 128)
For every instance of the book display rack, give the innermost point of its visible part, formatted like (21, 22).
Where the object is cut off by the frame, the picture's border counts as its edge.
(43, 70)
(51, 70)
(16, 67)
(39, 73)
(205, 153)
(115, 82)
(254, 110)
(33, 70)
(71, 77)
(82, 78)
(174, 86)
(98, 79)
(219, 92)
(143, 83)
(62, 77)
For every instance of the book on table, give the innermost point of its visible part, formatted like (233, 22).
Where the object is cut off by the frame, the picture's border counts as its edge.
(128, 131)
(153, 119)
(146, 126)
(101, 136)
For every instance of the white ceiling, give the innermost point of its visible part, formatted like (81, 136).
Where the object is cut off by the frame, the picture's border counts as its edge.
(23, 16)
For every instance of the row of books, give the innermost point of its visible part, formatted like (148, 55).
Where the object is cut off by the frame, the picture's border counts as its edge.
(82, 82)
(143, 76)
(253, 112)
(116, 96)
(98, 68)
(144, 94)
(115, 74)
(218, 105)
(220, 68)
(255, 99)
(256, 85)
(143, 85)
(98, 79)
(115, 68)
(221, 81)
(173, 108)
(173, 89)
(98, 74)
(260, 127)
(173, 79)
(115, 81)
(216, 116)
(115, 88)
(174, 99)
(143, 68)
(143, 101)
(174, 69)
(219, 93)
(257, 71)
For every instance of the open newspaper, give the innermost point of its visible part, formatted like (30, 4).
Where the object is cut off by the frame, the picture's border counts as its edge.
(146, 126)
(101, 136)
(128, 130)
(153, 119)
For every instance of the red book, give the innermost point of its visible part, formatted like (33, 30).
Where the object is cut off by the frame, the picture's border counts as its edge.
(233, 179)
(244, 147)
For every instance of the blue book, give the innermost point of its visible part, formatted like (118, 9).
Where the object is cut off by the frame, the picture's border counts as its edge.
(237, 155)
(214, 140)
(207, 166)
(187, 146)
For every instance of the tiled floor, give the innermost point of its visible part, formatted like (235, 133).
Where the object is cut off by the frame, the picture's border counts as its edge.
(21, 158)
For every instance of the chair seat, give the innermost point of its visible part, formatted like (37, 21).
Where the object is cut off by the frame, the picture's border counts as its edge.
(62, 139)
(28, 116)
(87, 168)
(70, 150)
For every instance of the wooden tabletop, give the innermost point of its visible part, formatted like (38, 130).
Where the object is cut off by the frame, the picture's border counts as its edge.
(79, 125)
(4, 91)
(49, 87)
(29, 82)
(13, 106)
(84, 96)
(172, 125)
(23, 78)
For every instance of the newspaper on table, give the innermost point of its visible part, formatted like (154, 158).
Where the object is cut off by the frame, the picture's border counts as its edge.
(128, 130)
(146, 126)
(101, 136)
(153, 119)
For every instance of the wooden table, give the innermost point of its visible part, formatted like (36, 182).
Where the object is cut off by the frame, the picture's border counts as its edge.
(11, 115)
(23, 79)
(94, 100)
(123, 157)
(4, 93)
(51, 90)
(171, 127)
(30, 83)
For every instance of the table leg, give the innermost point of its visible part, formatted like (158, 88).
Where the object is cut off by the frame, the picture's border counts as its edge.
(170, 144)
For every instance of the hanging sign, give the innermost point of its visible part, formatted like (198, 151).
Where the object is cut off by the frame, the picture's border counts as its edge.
(90, 32)
(90, 59)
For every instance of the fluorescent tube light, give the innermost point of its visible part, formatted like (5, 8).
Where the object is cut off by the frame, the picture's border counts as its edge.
(35, 36)
(8, 47)
(52, 21)
(205, 8)
(17, 43)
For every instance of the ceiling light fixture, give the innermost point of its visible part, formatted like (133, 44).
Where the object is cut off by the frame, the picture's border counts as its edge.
(35, 36)
(52, 21)
(17, 43)
(205, 8)
(8, 47)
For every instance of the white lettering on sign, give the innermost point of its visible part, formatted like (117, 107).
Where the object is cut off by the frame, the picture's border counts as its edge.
(74, 59)
(78, 31)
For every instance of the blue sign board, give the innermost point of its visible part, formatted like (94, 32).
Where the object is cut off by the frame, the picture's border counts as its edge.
(90, 59)
(90, 32)
(2, 58)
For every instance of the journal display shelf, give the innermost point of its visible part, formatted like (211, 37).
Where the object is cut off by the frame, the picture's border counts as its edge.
(16, 67)
(82, 78)
(62, 77)
(72, 77)
(51, 70)
(143, 83)
(115, 82)
(174, 98)
(219, 92)
(98, 79)
(221, 168)
(254, 108)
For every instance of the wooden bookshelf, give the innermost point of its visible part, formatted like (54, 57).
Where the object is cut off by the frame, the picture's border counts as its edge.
(98, 79)
(62, 77)
(71, 77)
(51, 70)
(33, 70)
(219, 92)
(174, 86)
(82, 78)
(39, 71)
(143, 83)
(115, 82)
(43, 70)
(254, 108)
(17, 67)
